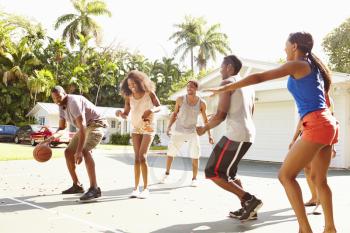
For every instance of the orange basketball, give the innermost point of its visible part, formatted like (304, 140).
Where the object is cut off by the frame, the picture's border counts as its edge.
(42, 153)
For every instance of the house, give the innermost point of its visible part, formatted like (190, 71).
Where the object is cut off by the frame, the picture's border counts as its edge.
(276, 116)
(47, 114)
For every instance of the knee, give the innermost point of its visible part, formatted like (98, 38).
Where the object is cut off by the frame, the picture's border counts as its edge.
(285, 178)
(318, 180)
(142, 159)
(307, 170)
(68, 154)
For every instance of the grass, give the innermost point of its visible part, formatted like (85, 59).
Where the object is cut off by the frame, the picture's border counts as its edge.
(11, 151)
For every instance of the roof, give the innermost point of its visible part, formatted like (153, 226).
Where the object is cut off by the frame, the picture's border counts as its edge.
(338, 78)
(107, 112)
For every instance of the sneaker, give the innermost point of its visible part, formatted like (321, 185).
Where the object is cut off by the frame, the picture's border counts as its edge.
(238, 213)
(74, 189)
(164, 179)
(144, 194)
(135, 193)
(250, 207)
(194, 183)
(92, 193)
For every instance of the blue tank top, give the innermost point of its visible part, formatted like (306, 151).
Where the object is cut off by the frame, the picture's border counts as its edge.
(308, 92)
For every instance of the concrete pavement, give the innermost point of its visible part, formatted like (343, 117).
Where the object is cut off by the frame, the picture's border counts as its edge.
(30, 199)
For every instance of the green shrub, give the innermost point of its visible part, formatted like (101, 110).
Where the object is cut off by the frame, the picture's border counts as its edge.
(156, 140)
(120, 139)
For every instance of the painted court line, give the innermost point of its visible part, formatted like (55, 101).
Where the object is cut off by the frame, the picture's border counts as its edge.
(65, 216)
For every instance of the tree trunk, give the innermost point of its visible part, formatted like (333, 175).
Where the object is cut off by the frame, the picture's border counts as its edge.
(35, 98)
(98, 91)
(192, 61)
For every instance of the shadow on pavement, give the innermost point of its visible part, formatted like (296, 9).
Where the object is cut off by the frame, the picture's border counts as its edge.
(232, 225)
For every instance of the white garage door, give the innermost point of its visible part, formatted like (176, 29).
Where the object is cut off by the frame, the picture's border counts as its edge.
(275, 124)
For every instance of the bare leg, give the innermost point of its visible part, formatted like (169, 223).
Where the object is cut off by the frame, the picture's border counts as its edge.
(232, 187)
(69, 155)
(90, 167)
(136, 141)
(312, 187)
(297, 158)
(319, 169)
(169, 161)
(145, 144)
(195, 164)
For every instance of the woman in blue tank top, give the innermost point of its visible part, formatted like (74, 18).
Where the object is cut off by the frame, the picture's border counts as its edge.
(309, 83)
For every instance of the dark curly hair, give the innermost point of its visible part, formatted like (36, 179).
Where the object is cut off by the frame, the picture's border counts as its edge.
(143, 82)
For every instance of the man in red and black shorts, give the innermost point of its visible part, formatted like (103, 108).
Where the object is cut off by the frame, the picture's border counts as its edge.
(237, 108)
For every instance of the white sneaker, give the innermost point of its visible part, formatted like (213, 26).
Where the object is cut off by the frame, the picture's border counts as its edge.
(144, 194)
(194, 183)
(164, 179)
(135, 193)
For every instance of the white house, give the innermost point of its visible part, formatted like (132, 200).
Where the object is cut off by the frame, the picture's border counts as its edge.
(276, 114)
(47, 114)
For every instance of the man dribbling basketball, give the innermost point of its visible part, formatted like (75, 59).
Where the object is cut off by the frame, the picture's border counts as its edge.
(83, 115)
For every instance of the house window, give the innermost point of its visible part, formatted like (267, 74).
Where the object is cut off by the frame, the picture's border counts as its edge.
(113, 124)
(41, 120)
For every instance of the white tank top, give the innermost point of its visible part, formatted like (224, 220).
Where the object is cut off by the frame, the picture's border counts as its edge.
(188, 116)
(137, 108)
(239, 120)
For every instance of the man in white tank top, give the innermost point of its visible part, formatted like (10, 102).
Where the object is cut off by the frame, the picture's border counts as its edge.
(187, 109)
(237, 108)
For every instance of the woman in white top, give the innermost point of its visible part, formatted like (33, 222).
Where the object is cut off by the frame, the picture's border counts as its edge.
(141, 102)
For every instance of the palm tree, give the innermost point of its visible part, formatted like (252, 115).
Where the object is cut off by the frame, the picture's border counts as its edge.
(19, 62)
(187, 36)
(82, 22)
(211, 42)
(41, 81)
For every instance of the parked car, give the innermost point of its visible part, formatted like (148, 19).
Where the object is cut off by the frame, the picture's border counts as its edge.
(24, 132)
(46, 132)
(8, 132)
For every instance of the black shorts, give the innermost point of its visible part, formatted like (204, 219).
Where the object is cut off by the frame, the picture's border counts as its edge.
(224, 159)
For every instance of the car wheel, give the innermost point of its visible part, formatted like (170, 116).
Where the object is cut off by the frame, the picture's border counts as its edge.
(17, 141)
(33, 142)
(54, 144)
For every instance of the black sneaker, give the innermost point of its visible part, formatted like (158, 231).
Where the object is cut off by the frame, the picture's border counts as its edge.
(74, 189)
(250, 207)
(238, 213)
(92, 193)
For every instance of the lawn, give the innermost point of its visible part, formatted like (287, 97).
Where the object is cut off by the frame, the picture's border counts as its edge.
(11, 151)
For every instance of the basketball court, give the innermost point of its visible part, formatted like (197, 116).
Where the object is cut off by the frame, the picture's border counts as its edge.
(30, 199)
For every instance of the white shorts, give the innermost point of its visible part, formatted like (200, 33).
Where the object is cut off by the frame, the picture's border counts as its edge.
(178, 139)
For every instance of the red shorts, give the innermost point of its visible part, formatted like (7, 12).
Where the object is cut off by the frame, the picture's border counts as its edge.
(320, 127)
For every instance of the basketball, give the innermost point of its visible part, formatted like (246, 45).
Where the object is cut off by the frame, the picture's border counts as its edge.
(42, 153)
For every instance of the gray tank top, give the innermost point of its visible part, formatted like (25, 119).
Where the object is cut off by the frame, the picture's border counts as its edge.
(187, 117)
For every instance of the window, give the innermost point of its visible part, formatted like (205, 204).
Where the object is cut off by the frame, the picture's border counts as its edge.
(41, 120)
(113, 124)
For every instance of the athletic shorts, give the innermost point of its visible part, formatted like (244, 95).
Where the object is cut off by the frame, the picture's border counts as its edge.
(177, 139)
(224, 159)
(93, 135)
(320, 127)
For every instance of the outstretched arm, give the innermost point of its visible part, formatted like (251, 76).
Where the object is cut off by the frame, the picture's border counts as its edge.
(289, 68)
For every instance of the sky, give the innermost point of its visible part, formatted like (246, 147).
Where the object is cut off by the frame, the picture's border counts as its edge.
(257, 29)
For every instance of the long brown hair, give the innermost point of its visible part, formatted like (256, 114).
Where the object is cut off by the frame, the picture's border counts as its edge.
(143, 82)
(305, 44)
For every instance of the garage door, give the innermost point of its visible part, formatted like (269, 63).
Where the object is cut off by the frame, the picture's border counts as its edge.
(275, 124)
